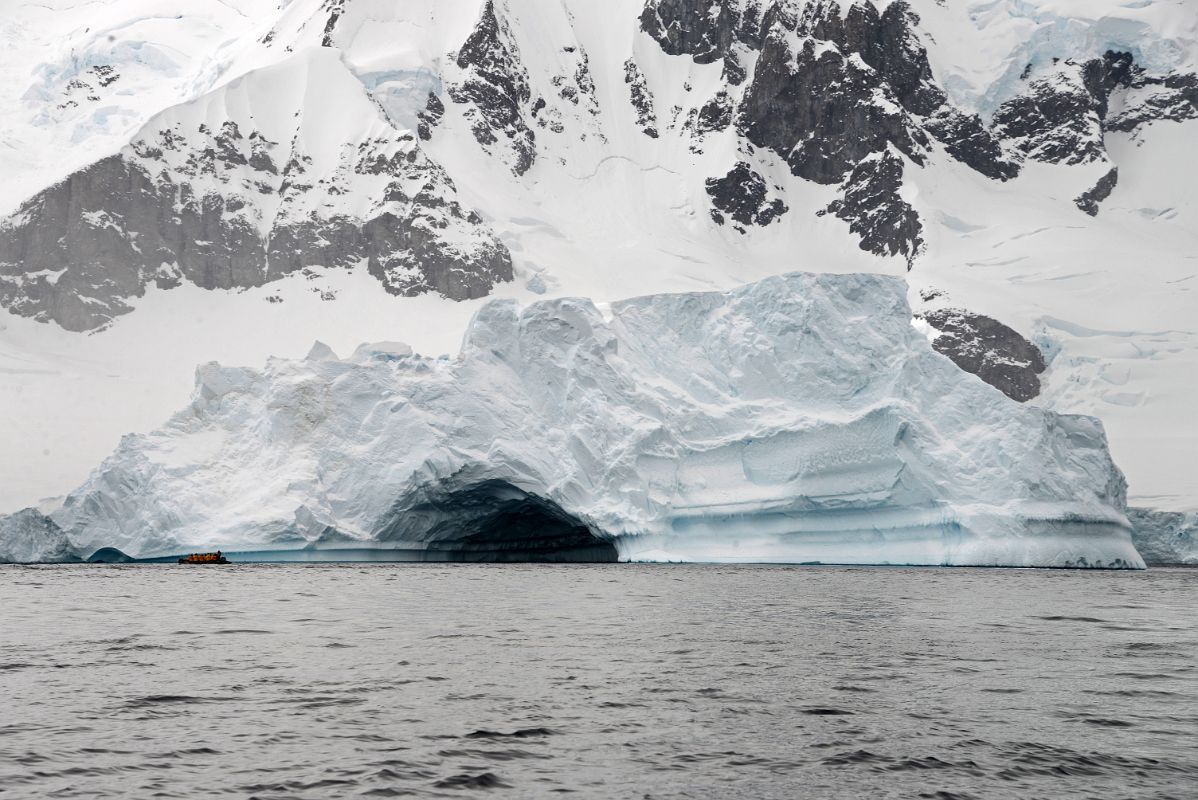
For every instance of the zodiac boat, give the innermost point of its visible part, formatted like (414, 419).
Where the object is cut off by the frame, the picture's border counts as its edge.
(204, 558)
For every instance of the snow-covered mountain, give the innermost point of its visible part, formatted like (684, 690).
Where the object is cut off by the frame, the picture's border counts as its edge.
(228, 181)
(252, 182)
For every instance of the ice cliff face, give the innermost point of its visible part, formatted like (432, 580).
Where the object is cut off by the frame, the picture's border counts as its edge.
(187, 182)
(987, 348)
(801, 418)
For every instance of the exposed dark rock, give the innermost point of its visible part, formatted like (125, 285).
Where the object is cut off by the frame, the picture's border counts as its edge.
(1090, 199)
(573, 92)
(335, 8)
(1170, 97)
(968, 141)
(411, 259)
(293, 247)
(734, 73)
(886, 224)
(642, 99)
(430, 117)
(583, 82)
(1057, 121)
(495, 85)
(78, 251)
(1101, 76)
(742, 195)
(105, 74)
(824, 108)
(260, 158)
(227, 147)
(715, 115)
(857, 82)
(820, 110)
(703, 29)
(987, 348)
(885, 41)
(832, 91)
(86, 86)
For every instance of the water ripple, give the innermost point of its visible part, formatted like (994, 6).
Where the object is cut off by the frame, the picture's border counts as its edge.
(613, 681)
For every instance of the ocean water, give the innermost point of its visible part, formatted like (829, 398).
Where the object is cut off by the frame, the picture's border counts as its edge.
(604, 681)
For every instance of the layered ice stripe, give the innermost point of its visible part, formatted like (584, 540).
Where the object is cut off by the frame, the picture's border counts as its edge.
(797, 419)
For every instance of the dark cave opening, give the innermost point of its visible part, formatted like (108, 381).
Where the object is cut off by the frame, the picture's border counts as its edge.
(494, 521)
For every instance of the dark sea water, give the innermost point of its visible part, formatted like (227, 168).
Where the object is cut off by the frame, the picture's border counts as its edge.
(622, 681)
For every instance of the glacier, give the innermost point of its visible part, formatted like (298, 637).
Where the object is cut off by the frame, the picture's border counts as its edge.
(801, 418)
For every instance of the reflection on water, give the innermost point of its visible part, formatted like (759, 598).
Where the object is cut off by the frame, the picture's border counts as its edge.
(318, 681)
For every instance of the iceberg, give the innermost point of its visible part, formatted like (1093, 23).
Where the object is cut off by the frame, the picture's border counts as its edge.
(1165, 538)
(802, 418)
(29, 536)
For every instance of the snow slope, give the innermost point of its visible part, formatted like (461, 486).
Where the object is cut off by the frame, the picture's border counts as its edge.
(800, 418)
(607, 211)
(58, 113)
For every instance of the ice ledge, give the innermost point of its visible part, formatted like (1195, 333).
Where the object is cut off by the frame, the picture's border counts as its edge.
(801, 418)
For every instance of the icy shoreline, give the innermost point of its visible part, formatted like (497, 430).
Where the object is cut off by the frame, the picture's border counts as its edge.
(797, 419)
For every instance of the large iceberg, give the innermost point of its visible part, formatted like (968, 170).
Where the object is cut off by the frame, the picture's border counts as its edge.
(1165, 538)
(798, 419)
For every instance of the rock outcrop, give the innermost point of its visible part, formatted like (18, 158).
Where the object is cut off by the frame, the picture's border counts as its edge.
(641, 98)
(989, 349)
(876, 211)
(247, 200)
(1088, 200)
(228, 194)
(1165, 538)
(494, 85)
(833, 91)
(1066, 109)
(743, 197)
